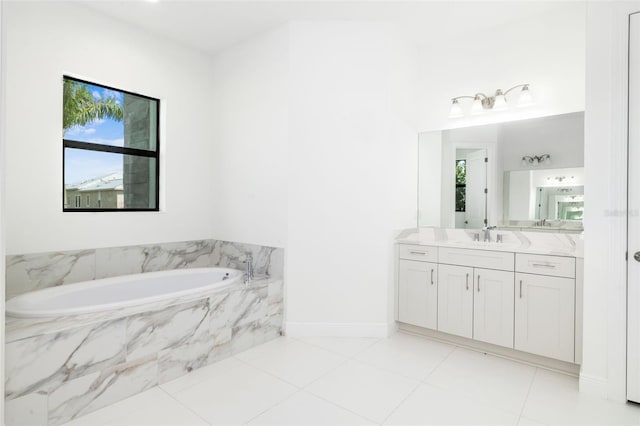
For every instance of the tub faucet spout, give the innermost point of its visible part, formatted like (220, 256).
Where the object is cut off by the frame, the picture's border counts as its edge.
(248, 270)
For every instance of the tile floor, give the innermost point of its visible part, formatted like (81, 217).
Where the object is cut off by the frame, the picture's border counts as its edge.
(402, 380)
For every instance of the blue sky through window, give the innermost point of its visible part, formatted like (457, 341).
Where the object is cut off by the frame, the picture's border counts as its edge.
(81, 165)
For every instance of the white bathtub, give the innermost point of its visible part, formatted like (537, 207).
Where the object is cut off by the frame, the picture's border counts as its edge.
(119, 292)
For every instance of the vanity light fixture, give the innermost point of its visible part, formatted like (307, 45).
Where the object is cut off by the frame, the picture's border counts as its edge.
(497, 102)
(536, 160)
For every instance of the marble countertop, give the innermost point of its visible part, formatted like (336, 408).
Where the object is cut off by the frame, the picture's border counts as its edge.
(549, 243)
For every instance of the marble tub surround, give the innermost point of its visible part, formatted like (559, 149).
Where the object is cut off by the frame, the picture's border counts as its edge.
(75, 366)
(29, 272)
(550, 243)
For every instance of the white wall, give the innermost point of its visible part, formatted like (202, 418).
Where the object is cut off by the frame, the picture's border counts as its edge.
(604, 358)
(352, 174)
(249, 113)
(546, 51)
(430, 179)
(316, 150)
(43, 42)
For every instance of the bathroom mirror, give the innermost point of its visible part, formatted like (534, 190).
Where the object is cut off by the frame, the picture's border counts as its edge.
(522, 174)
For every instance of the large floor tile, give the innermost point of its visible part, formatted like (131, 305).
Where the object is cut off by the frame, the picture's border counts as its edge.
(167, 413)
(363, 389)
(143, 401)
(411, 356)
(430, 405)
(235, 395)
(291, 360)
(347, 346)
(528, 422)
(554, 400)
(496, 381)
(200, 375)
(305, 409)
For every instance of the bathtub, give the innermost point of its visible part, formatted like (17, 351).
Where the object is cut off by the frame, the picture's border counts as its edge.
(119, 292)
(75, 348)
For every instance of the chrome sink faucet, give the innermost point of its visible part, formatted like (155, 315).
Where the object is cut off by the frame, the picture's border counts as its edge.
(487, 233)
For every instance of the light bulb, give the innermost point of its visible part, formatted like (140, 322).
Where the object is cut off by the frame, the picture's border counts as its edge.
(456, 110)
(548, 160)
(476, 107)
(535, 161)
(500, 102)
(525, 98)
(524, 161)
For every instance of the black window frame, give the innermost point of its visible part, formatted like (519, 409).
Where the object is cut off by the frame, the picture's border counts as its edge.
(88, 146)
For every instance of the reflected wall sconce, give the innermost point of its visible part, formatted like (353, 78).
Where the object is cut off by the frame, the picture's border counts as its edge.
(536, 160)
(497, 102)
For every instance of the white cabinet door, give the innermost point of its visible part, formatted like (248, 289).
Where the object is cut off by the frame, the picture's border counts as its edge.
(418, 293)
(493, 307)
(544, 312)
(455, 300)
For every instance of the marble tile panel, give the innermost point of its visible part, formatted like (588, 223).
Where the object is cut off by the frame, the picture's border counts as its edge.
(28, 410)
(276, 263)
(273, 327)
(238, 307)
(275, 298)
(233, 255)
(150, 332)
(47, 361)
(31, 272)
(247, 336)
(91, 392)
(177, 361)
(117, 261)
(191, 352)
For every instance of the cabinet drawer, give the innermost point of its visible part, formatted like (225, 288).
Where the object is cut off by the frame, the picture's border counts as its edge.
(416, 252)
(556, 266)
(477, 258)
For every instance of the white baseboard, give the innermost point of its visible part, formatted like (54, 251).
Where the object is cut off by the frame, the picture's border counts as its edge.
(592, 385)
(324, 329)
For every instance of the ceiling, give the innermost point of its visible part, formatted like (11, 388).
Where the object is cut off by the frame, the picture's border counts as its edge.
(210, 26)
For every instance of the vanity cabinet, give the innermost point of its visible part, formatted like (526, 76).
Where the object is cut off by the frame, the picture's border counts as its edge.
(519, 301)
(418, 286)
(545, 306)
(455, 300)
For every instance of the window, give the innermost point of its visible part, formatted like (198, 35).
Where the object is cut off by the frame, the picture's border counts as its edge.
(110, 148)
(461, 185)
